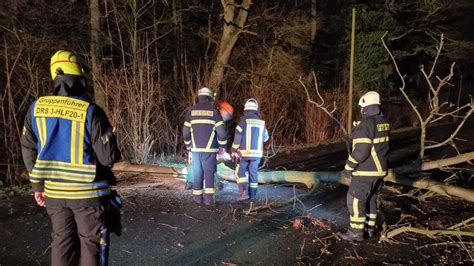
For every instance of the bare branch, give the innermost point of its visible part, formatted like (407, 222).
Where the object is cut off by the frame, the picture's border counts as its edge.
(468, 114)
(438, 52)
(320, 105)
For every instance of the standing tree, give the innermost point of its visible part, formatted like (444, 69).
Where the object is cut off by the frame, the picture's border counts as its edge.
(99, 94)
(235, 16)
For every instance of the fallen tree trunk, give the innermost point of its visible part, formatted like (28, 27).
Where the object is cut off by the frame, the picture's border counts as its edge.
(311, 179)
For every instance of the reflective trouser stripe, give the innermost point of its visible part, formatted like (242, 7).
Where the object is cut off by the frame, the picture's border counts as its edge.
(197, 192)
(351, 159)
(254, 185)
(356, 221)
(357, 226)
(209, 191)
(370, 219)
(242, 180)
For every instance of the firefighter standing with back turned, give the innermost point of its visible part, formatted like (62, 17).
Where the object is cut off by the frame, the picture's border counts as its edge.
(68, 148)
(205, 135)
(367, 166)
(250, 134)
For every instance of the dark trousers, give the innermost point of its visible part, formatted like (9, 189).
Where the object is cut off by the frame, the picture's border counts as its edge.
(250, 165)
(204, 169)
(76, 235)
(362, 202)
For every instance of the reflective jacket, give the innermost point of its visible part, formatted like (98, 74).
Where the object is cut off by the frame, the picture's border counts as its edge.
(204, 129)
(250, 134)
(370, 148)
(67, 146)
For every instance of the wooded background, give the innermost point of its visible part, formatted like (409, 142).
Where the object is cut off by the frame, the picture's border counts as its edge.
(145, 61)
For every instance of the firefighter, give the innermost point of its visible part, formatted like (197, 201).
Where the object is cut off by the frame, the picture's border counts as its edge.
(68, 148)
(366, 166)
(205, 136)
(250, 134)
(227, 111)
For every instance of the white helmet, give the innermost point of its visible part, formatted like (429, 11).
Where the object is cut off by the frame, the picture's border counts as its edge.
(206, 92)
(369, 98)
(251, 104)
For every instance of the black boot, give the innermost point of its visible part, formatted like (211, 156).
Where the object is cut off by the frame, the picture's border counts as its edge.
(352, 235)
(370, 231)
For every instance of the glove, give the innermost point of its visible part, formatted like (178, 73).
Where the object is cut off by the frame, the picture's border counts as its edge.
(222, 157)
(236, 155)
(222, 150)
(346, 174)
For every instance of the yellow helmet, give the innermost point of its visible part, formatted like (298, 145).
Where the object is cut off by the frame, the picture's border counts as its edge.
(65, 62)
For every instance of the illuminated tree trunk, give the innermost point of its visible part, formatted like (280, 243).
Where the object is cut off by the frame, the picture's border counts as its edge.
(234, 18)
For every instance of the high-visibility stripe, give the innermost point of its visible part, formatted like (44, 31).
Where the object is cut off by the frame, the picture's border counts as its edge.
(253, 185)
(187, 142)
(39, 126)
(351, 159)
(61, 175)
(371, 215)
(187, 124)
(73, 141)
(357, 219)
(192, 139)
(248, 138)
(64, 165)
(381, 140)
(254, 121)
(197, 192)
(376, 159)
(209, 191)
(75, 186)
(203, 121)
(251, 153)
(369, 141)
(46, 171)
(347, 167)
(80, 140)
(77, 194)
(222, 142)
(241, 180)
(235, 145)
(362, 140)
(357, 226)
(211, 139)
(220, 123)
(238, 128)
(370, 223)
(45, 131)
(369, 173)
(355, 206)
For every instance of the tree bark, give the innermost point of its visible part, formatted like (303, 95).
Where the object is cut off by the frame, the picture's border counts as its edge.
(235, 17)
(311, 179)
(99, 94)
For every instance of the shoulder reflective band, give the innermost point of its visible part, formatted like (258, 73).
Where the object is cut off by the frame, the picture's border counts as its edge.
(61, 107)
(201, 113)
